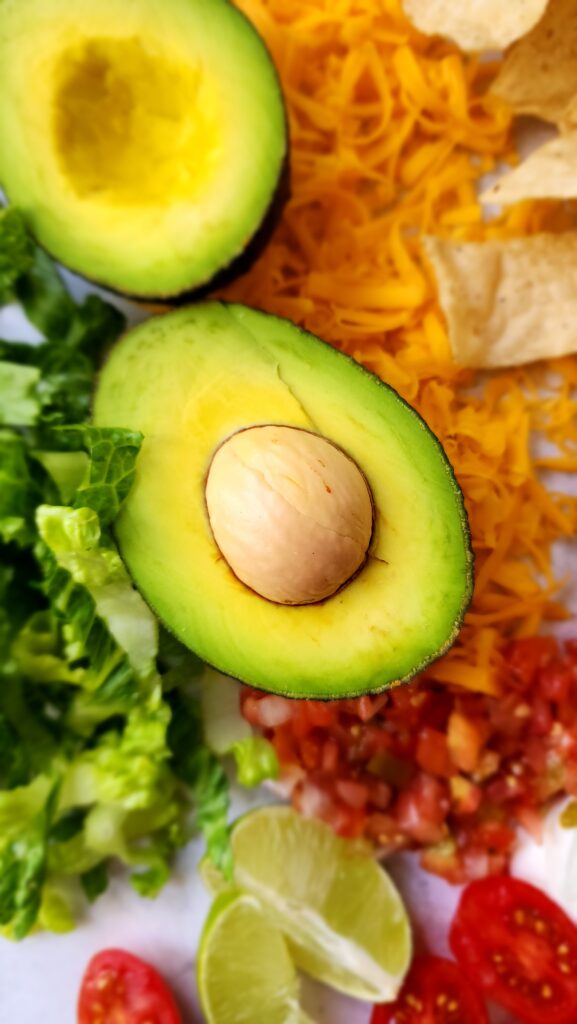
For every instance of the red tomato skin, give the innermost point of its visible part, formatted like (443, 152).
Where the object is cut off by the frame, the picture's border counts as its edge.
(120, 988)
(503, 924)
(434, 992)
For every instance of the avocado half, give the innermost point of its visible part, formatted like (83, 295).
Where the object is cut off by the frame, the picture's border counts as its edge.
(194, 378)
(143, 141)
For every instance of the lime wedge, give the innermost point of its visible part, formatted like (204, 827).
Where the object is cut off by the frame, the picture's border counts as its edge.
(344, 921)
(245, 971)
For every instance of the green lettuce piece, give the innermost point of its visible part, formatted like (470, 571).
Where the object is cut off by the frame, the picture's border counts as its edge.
(16, 251)
(25, 816)
(19, 403)
(134, 807)
(256, 761)
(37, 720)
(67, 469)
(127, 768)
(46, 301)
(77, 338)
(69, 363)
(95, 881)
(14, 766)
(24, 483)
(60, 905)
(36, 651)
(112, 465)
(104, 617)
(196, 765)
(102, 749)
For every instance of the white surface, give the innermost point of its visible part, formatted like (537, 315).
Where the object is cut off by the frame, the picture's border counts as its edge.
(552, 864)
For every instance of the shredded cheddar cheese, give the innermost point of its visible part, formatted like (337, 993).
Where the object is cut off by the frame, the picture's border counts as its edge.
(390, 132)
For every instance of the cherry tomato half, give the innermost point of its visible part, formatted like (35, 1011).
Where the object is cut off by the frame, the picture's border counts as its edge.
(119, 988)
(520, 948)
(435, 992)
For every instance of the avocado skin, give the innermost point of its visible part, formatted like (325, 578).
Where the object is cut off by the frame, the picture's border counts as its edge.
(286, 688)
(254, 248)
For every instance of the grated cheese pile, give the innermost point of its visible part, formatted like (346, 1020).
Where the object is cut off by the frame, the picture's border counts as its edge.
(390, 131)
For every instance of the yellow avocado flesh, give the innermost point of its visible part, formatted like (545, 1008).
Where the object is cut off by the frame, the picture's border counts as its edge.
(193, 378)
(143, 143)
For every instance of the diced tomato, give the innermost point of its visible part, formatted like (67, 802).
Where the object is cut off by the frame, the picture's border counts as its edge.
(311, 751)
(465, 795)
(435, 992)
(381, 794)
(524, 658)
(556, 681)
(384, 830)
(119, 987)
(465, 739)
(435, 767)
(542, 716)
(320, 713)
(422, 809)
(520, 948)
(432, 754)
(330, 756)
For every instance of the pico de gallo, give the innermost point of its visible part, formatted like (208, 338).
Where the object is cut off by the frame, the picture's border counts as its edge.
(434, 767)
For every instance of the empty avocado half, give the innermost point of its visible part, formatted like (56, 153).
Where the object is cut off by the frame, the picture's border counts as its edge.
(293, 520)
(143, 141)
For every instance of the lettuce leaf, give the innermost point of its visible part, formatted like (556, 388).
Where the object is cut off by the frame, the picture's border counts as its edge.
(18, 400)
(23, 485)
(16, 252)
(102, 749)
(111, 470)
(196, 765)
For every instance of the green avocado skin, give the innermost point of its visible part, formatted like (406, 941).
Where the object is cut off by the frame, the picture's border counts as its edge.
(190, 379)
(155, 237)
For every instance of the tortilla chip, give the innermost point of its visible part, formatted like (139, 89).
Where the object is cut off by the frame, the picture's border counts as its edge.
(539, 74)
(508, 302)
(476, 24)
(550, 172)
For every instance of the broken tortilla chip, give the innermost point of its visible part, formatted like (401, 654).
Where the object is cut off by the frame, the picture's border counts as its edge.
(479, 24)
(550, 172)
(539, 74)
(508, 302)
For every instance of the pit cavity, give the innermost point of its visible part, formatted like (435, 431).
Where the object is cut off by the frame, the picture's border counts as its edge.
(130, 126)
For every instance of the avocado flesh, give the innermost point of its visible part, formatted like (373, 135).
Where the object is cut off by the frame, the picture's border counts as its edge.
(192, 378)
(144, 145)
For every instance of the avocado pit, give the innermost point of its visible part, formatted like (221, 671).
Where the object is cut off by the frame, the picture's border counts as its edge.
(291, 513)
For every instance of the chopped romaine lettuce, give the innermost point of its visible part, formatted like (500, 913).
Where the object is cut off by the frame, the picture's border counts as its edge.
(18, 394)
(102, 747)
(16, 252)
(256, 761)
